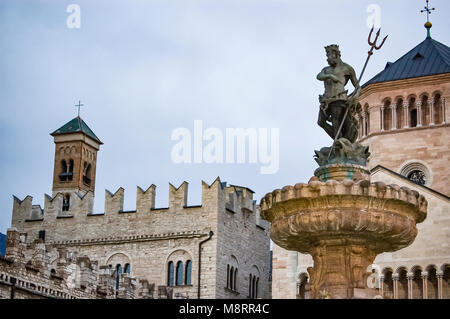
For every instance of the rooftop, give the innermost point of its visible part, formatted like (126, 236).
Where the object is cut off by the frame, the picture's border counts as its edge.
(430, 57)
(75, 126)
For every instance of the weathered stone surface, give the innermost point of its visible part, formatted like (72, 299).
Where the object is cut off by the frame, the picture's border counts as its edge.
(343, 225)
(150, 237)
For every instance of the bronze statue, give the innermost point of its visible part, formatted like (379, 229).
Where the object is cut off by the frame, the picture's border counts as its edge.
(337, 114)
(335, 101)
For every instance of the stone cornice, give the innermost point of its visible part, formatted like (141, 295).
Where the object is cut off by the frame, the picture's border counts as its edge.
(130, 239)
(403, 130)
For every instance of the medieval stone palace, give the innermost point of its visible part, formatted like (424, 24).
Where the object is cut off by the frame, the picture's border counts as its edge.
(219, 249)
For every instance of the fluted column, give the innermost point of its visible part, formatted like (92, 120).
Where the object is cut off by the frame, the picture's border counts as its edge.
(440, 276)
(394, 116)
(410, 277)
(431, 112)
(395, 278)
(382, 118)
(424, 284)
(419, 113)
(406, 108)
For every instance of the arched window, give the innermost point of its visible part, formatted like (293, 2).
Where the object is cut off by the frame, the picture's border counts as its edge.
(70, 175)
(417, 284)
(412, 112)
(400, 114)
(446, 282)
(432, 283)
(388, 284)
(438, 110)
(231, 278)
(187, 276)
(170, 274)
(232, 274)
(361, 126)
(387, 116)
(66, 171)
(235, 279)
(425, 110)
(66, 203)
(228, 276)
(87, 173)
(402, 284)
(413, 118)
(63, 174)
(118, 273)
(127, 269)
(179, 274)
(367, 123)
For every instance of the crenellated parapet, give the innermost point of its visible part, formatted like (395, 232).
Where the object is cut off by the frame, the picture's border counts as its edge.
(69, 217)
(145, 200)
(239, 198)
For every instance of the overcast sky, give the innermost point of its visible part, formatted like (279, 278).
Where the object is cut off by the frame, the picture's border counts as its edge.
(144, 68)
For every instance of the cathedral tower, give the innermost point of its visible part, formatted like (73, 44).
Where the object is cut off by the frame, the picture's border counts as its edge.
(405, 119)
(76, 148)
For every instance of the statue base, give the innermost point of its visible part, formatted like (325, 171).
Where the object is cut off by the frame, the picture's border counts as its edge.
(340, 266)
(343, 152)
(340, 172)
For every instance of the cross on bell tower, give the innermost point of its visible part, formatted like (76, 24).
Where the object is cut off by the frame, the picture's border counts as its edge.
(428, 24)
(79, 105)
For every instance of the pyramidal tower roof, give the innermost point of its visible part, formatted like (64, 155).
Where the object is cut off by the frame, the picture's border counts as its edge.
(77, 125)
(428, 58)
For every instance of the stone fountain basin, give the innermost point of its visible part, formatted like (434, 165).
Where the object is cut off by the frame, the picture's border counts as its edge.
(382, 217)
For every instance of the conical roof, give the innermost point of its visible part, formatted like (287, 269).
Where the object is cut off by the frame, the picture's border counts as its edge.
(430, 57)
(76, 125)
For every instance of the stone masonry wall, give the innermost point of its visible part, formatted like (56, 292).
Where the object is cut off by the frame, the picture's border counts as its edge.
(149, 237)
(244, 237)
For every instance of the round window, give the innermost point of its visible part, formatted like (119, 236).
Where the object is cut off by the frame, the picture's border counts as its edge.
(417, 173)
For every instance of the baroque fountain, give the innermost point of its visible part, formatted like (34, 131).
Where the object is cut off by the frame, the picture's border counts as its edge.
(340, 217)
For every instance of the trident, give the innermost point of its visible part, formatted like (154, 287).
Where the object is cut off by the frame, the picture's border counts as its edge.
(373, 45)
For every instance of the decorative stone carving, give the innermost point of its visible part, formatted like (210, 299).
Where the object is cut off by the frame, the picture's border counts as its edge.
(343, 225)
(340, 217)
(344, 151)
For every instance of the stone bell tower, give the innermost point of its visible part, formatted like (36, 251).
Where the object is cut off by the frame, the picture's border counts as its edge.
(76, 148)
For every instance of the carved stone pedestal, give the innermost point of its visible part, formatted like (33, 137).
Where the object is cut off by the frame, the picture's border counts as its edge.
(343, 224)
(339, 267)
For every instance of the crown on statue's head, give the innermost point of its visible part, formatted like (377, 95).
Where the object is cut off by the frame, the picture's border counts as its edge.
(333, 49)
